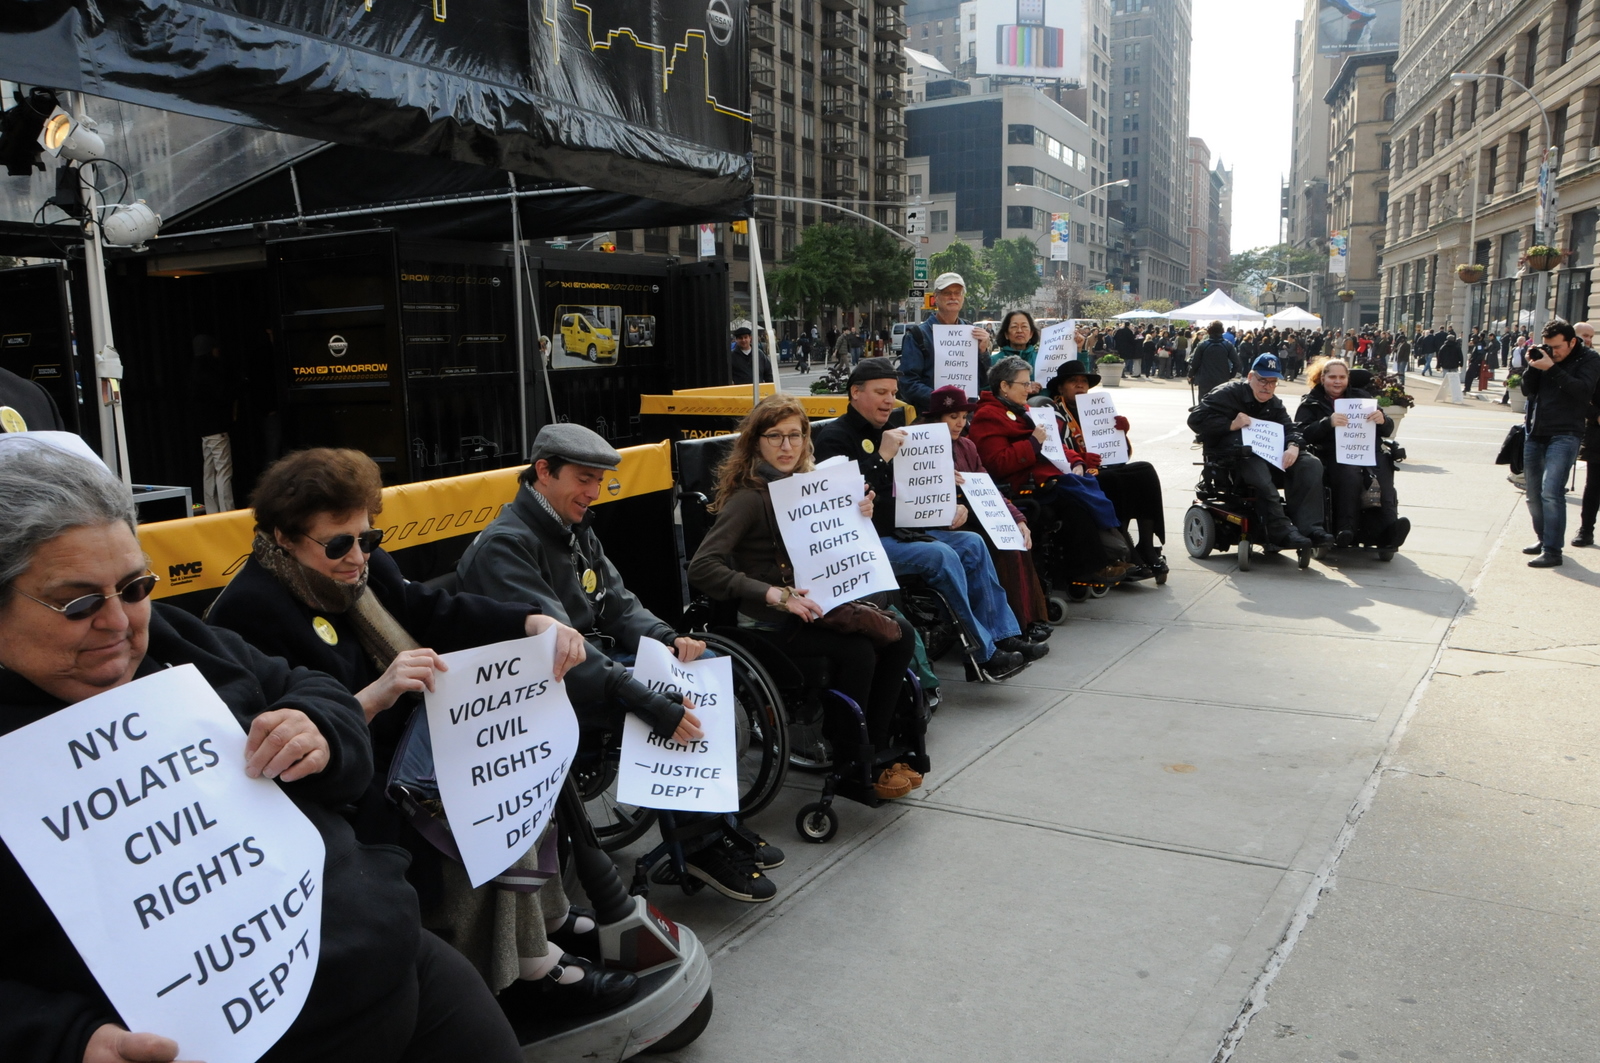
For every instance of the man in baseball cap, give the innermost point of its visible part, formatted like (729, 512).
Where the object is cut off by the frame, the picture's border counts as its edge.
(542, 549)
(917, 351)
(1229, 408)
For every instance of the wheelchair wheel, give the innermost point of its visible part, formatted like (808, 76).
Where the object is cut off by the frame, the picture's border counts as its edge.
(1056, 609)
(1077, 592)
(686, 1031)
(1098, 590)
(817, 822)
(1304, 555)
(1244, 555)
(616, 825)
(761, 729)
(1199, 531)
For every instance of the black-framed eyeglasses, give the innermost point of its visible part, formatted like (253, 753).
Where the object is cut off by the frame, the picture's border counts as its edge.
(340, 545)
(780, 439)
(132, 592)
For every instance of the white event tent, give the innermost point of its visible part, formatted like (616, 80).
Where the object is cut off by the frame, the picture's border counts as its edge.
(1217, 307)
(1294, 317)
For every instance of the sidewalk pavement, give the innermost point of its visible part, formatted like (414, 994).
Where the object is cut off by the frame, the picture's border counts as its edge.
(1463, 921)
(1113, 848)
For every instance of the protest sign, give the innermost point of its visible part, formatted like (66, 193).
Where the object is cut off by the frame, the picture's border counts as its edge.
(990, 509)
(955, 358)
(836, 553)
(701, 775)
(925, 478)
(1266, 439)
(1357, 442)
(1057, 343)
(193, 892)
(1097, 414)
(1052, 449)
(503, 737)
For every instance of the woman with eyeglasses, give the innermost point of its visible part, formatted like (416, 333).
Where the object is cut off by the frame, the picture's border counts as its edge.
(742, 559)
(76, 621)
(320, 592)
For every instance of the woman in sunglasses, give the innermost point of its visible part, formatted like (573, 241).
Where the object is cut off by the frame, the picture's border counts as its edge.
(76, 621)
(320, 592)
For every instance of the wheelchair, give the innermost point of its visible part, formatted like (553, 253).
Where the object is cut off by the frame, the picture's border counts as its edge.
(1063, 584)
(802, 685)
(1224, 513)
(1368, 534)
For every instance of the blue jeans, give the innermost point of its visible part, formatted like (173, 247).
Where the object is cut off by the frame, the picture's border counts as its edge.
(958, 566)
(1546, 463)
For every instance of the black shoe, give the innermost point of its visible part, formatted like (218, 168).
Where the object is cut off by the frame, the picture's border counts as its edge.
(1319, 536)
(730, 871)
(1039, 632)
(1003, 665)
(570, 941)
(1585, 537)
(766, 855)
(1536, 548)
(1548, 559)
(1345, 538)
(1030, 651)
(1137, 573)
(1287, 537)
(1399, 531)
(599, 990)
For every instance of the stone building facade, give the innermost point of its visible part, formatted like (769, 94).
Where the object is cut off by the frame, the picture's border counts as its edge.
(1361, 104)
(1484, 141)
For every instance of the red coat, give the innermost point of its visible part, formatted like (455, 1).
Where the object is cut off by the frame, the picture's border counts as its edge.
(1006, 444)
(967, 460)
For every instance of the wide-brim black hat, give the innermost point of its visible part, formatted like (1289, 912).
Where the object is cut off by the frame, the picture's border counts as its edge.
(1066, 369)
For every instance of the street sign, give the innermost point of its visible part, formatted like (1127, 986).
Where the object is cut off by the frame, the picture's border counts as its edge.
(917, 293)
(916, 221)
(919, 270)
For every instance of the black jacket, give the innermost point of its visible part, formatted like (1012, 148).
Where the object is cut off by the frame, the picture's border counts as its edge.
(859, 440)
(1450, 354)
(525, 555)
(49, 1002)
(1315, 412)
(1559, 397)
(31, 400)
(1210, 419)
(1213, 362)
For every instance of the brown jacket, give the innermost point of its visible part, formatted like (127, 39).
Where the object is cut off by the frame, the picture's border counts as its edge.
(742, 556)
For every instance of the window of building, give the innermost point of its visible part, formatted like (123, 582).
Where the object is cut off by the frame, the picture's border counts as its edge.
(808, 166)
(787, 114)
(1519, 144)
(786, 78)
(972, 49)
(914, 184)
(1530, 60)
(1019, 175)
(1491, 167)
(785, 39)
(1569, 28)
(972, 22)
(1499, 85)
(1383, 206)
(1388, 108)
(1580, 237)
(786, 152)
(1019, 134)
(938, 221)
(808, 126)
(1019, 217)
(806, 53)
(1386, 155)
(1558, 137)
(1079, 233)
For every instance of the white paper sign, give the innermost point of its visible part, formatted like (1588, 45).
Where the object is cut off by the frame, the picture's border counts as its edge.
(702, 776)
(503, 738)
(1057, 343)
(925, 478)
(1097, 415)
(836, 553)
(955, 358)
(1357, 442)
(1266, 439)
(990, 509)
(1052, 449)
(193, 892)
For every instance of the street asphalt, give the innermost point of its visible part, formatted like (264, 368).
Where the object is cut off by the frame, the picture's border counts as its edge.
(1161, 842)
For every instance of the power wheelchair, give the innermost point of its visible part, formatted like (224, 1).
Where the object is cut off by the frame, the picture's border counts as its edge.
(1225, 514)
(801, 684)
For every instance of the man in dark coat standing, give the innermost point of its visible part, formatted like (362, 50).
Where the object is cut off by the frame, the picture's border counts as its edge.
(1214, 361)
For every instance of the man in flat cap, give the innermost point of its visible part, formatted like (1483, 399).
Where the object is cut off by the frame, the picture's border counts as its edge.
(745, 361)
(542, 550)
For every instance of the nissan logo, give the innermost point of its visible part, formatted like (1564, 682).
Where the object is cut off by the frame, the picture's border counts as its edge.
(337, 346)
(719, 21)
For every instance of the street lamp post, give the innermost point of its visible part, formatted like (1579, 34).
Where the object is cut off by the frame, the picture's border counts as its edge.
(1544, 215)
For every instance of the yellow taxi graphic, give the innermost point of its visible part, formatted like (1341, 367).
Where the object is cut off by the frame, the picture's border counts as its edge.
(582, 337)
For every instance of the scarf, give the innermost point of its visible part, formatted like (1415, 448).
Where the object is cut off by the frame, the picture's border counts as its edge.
(1074, 430)
(379, 633)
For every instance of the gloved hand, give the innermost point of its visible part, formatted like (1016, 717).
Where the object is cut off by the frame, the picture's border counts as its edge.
(661, 710)
(1091, 460)
(1121, 422)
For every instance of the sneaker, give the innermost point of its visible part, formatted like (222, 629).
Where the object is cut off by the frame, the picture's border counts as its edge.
(767, 856)
(730, 871)
(1548, 559)
(1031, 651)
(891, 785)
(1003, 665)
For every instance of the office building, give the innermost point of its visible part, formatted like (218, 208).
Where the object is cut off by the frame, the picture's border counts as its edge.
(1306, 222)
(1149, 139)
(1466, 157)
(1361, 96)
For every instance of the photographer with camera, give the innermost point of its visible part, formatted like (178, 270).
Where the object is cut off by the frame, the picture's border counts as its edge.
(1559, 382)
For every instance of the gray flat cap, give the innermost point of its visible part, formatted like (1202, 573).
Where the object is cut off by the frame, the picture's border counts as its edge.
(576, 444)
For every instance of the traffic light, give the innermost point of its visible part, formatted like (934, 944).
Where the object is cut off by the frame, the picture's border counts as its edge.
(1205, 284)
(608, 247)
(741, 226)
(19, 131)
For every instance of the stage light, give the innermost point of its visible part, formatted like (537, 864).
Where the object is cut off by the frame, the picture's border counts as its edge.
(130, 225)
(71, 138)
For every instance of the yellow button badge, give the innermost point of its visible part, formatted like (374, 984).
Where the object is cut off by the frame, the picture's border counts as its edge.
(324, 630)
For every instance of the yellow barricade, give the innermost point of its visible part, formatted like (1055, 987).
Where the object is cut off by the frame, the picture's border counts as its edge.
(203, 553)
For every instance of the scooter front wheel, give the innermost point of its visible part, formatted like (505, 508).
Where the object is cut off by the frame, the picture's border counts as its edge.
(686, 1031)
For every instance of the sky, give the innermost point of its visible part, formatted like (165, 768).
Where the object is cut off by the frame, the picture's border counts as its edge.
(1241, 103)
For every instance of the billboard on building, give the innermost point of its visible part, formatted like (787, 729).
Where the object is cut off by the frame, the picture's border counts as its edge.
(1029, 38)
(1347, 26)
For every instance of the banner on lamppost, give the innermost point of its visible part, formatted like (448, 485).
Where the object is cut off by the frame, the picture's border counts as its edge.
(1060, 238)
(1338, 253)
(1545, 214)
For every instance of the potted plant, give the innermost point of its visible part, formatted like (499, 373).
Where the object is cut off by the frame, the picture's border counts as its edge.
(1111, 370)
(1394, 401)
(1514, 396)
(1541, 257)
(1470, 272)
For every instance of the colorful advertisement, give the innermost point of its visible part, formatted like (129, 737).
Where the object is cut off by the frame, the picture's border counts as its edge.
(1060, 238)
(1029, 38)
(1338, 253)
(1345, 27)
